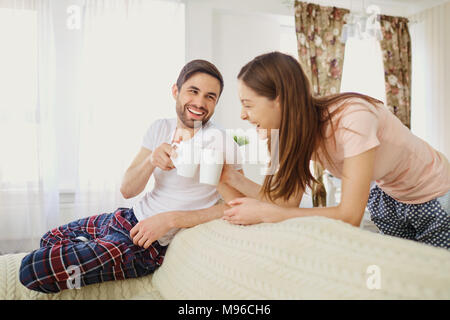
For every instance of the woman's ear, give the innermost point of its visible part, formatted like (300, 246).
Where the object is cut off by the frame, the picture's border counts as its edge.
(277, 103)
(175, 91)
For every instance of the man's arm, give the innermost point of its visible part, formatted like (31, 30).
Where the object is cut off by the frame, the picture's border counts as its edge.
(191, 218)
(149, 230)
(137, 175)
(153, 228)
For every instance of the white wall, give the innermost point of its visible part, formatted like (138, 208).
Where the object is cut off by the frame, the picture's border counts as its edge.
(238, 38)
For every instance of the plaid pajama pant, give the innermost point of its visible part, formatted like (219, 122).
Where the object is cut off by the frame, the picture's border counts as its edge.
(104, 252)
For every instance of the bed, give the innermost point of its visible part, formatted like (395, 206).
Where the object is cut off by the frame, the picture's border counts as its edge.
(301, 258)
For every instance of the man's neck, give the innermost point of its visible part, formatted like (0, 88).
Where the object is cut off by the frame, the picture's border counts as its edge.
(183, 132)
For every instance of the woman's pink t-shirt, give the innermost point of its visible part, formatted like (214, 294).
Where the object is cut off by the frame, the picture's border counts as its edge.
(406, 167)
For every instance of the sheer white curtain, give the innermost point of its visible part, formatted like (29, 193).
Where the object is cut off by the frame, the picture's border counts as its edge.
(430, 104)
(29, 199)
(132, 54)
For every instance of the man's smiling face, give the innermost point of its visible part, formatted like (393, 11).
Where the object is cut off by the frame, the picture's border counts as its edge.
(197, 98)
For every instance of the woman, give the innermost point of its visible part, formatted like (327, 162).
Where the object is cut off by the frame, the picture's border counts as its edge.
(353, 136)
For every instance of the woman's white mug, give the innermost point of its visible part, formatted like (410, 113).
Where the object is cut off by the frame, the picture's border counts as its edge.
(211, 165)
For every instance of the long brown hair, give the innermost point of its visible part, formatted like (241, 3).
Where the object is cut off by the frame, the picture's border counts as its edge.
(304, 118)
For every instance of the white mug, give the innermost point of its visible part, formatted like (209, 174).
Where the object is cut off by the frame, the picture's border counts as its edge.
(211, 165)
(187, 158)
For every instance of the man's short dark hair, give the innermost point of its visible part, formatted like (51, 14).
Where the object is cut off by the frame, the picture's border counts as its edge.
(196, 66)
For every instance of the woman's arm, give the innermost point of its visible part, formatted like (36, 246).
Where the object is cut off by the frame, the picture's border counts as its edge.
(357, 174)
(227, 192)
(251, 189)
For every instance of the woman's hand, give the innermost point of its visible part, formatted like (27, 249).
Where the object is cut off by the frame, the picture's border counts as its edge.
(151, 229)
(248, 211)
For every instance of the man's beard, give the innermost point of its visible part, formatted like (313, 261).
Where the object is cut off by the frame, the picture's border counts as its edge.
(183, 115)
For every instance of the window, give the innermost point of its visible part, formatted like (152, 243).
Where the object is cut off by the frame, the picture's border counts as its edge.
(129, 65)
(18, 98)
(116, 72)
(363, 69)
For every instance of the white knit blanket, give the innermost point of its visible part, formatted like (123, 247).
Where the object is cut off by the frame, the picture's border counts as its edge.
(304, 258)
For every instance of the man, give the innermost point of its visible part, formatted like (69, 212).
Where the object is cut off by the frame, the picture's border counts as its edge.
(130, 243)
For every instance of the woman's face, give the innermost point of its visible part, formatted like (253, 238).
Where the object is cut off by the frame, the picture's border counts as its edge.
(260, 111)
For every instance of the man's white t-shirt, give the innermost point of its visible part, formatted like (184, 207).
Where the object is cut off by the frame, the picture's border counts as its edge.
(172, 192)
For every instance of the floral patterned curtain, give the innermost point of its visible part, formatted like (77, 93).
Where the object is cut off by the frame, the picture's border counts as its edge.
(396, 48)
(320, 51)
(321, 55)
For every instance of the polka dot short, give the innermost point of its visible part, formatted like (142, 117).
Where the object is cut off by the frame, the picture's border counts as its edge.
(427, 222)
